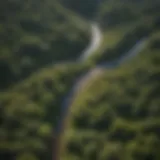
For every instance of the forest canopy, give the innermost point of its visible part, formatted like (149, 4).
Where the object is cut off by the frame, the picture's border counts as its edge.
(114, 116)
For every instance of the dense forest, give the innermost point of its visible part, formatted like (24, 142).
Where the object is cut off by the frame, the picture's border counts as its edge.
(35, 34)
(86, 8)
(115, 116)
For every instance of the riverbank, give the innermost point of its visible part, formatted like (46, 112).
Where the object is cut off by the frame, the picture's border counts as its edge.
(81, 81)
(117, 109)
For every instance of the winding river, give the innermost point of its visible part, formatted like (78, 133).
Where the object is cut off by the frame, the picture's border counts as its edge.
(96, 39)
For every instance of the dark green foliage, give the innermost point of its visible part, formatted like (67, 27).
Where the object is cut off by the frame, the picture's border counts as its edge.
(120, 14)
(30, 112)
(156, 44)
(121, 108)
(86, 8)
(34, 34)
(115, 118)
(113, 13)
(127, 42)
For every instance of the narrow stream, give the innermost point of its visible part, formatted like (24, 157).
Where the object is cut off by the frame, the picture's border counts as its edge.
(96, 39)
(111, 65)
(93, 46)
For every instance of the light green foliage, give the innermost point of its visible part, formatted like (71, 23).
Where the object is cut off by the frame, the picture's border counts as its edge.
(30, 112)
(117, 116)
(26, 156)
